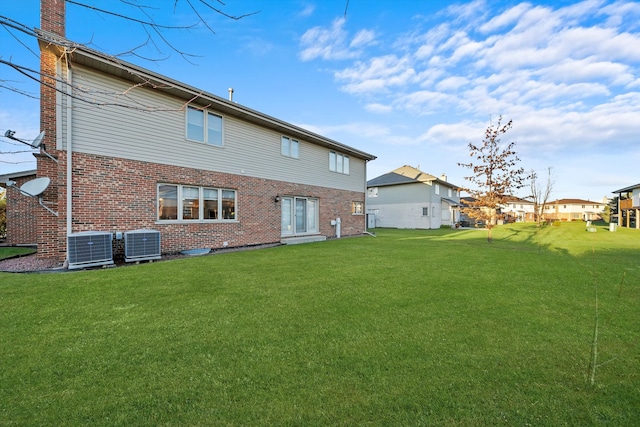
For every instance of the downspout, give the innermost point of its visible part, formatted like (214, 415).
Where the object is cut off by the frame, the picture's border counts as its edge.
(69, 153)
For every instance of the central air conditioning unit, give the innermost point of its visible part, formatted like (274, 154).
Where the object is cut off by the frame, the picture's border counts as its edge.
(141, 245)
(89, 249)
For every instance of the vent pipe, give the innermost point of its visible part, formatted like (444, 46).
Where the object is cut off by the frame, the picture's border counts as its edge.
(231, 94)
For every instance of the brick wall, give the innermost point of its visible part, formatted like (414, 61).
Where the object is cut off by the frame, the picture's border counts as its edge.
(22, 215)
(52, 19)
(52, 16)
(117, 195)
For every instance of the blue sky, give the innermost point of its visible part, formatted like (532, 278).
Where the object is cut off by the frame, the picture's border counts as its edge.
(412, 82)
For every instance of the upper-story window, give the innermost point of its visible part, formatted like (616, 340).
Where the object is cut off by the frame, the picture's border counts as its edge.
(437, 188)
(372, 192)
(338, 162)
(449, 191)
(204, 126)
(290, 147)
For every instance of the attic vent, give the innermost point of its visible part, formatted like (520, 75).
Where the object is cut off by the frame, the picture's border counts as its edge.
(89, 249)
(140, 245)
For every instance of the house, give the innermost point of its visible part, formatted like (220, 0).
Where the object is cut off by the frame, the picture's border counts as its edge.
(21, 210)
(518, 210)
(628, 205)
(409, 198)
(574, 210)
(128, 149)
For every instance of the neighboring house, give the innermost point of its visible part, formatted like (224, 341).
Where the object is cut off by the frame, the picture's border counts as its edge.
(21, 211)
(628, 205)
(202, 170)
(409, 198)
(518, 210)
(574, 210)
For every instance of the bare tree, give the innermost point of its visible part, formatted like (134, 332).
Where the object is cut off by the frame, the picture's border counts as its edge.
(494, 176)
(540, 194)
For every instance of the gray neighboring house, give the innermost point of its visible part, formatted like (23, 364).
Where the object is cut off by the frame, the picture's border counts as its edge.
(409, 198)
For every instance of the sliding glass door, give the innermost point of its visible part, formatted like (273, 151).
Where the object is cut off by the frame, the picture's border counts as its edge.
(299, 216)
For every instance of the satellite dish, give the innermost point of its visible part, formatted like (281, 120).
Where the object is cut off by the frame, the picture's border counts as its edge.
(35, 187)
(38, 141)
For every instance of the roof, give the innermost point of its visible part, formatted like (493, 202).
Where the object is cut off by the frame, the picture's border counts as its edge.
(626, 189)
(9, 176)
(406, 175)
(79, 54)
(518, 200)
(574, 202)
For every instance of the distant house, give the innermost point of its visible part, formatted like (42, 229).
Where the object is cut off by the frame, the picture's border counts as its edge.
(409, 198)
(129, 150)
(628, 205)
(518, 210)
(21, 211)
(574, 210)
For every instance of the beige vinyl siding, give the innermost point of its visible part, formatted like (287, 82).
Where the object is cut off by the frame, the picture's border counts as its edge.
(159, 137)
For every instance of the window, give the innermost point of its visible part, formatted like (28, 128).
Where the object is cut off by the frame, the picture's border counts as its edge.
(290, 147)
(372, 192)
(437, 188)
(357, 208)
(190, 203)
(449, 190)
(199, 120)
(167, 202)
(583, 206)
(338, 163)
(425, 211)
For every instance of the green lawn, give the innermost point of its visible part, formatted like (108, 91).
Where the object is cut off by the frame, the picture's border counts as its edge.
(12, 251)
(412, 327)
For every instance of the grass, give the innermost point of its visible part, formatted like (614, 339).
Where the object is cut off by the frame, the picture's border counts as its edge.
(431, 327)
(13, 251)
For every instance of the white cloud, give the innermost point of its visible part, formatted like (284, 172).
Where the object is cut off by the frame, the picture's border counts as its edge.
(307, 10)
(378, 108)
(507, 18)
(377, 75)
(363, 38)
(333, 43)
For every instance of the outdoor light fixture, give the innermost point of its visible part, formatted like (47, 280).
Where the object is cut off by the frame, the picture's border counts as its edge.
(36, 143)
(277, 199)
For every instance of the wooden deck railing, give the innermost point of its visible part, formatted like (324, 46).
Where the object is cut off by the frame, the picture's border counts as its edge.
(626, 204)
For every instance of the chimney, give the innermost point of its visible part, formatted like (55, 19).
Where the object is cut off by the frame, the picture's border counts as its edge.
(443, 177)
(52, 16)
(230, 94)
(52, 24)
